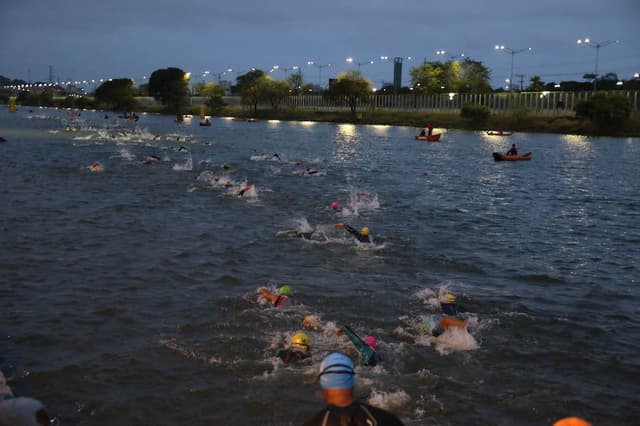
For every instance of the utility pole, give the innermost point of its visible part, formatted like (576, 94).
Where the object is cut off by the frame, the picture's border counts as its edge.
(521, 77)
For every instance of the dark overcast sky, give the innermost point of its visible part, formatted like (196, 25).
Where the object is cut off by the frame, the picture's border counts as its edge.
(88, 39)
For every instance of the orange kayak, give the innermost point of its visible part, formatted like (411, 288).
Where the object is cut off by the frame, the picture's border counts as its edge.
(504, 157)
(429, 138)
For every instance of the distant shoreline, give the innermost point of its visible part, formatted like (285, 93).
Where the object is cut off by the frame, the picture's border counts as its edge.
(503, 122)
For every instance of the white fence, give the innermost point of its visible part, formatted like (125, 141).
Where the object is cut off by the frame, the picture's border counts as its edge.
(538, 103)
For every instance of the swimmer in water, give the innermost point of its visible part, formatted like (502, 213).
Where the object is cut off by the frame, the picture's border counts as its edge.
(300, 349)
(445, 323)
(362, 235)
(96, 167)
(284, 297)
(449, 306)
(20, 411)
(337, 377)
(151, 158)
(367, 347)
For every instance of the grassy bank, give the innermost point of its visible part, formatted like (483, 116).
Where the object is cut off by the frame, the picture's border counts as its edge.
(516, 122)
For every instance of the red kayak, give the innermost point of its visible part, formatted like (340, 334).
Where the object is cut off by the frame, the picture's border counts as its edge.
(429, 138)
(504, 157)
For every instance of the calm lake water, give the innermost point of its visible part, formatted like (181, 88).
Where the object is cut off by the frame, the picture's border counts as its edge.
(129, 294)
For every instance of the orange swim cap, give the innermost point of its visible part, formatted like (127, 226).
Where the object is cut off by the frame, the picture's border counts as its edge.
(572, 421)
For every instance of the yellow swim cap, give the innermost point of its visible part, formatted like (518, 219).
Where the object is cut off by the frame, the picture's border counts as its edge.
(449, 298)
(301, 341)
(364, 231)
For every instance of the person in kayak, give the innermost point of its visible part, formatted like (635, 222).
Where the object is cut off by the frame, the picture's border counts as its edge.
(337, 381)
(513, 150)
(367, 347)
(284, 297)
(362, 235)
(300, 349)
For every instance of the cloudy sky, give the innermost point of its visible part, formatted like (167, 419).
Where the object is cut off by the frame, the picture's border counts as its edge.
(90, 39)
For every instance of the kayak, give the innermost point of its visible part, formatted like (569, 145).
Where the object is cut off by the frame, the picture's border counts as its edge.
(498, 133)
(504, 157)
(429, 138)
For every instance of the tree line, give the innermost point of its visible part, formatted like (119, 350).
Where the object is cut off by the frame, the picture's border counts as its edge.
(170, 86)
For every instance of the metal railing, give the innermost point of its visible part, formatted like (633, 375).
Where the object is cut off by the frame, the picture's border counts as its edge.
(537, 103)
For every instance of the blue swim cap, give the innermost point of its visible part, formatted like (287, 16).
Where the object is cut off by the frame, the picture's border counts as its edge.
(336, 372)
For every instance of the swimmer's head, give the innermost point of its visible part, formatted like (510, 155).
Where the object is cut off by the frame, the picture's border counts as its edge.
(372, 342)
(285, 290)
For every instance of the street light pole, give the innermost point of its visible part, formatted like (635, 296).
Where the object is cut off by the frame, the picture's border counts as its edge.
(350, 60)
(513, 52)
(320, 66)
(597, 45)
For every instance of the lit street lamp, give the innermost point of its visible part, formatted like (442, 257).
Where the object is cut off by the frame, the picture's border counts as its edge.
(220, 74)
(350, 60)
(597, 45)
(320, 66)
(284, 69)
(513, 52)
(449, 55)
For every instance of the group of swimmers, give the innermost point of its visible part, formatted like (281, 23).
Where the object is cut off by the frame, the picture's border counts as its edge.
(300, 344)
(367, 347)
(300, 347)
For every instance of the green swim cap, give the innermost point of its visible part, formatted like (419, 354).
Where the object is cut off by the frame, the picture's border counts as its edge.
(285, 290)
(424, 327)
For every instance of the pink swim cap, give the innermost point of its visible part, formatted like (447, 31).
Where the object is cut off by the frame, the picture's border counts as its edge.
(335, 205)
(371, 341)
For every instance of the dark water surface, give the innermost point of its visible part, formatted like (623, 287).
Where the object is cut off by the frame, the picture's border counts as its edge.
(129, 295)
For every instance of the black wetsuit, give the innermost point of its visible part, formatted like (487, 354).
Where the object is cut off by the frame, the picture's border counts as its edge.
(451, 309)
(306, 235)
(358, 235)
(357, 414)
(291, 355)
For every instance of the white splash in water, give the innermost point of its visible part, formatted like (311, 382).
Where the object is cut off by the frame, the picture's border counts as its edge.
(391, 401)
(187, 165)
